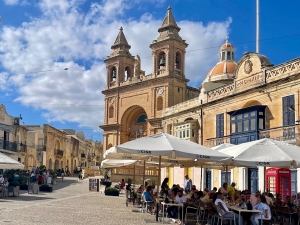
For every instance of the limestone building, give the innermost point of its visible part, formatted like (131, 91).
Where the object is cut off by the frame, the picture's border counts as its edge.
(243, 102)
(240, 100)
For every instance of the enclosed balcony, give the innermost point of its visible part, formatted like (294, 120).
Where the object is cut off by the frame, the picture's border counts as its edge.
(59, 152)
(8, 146)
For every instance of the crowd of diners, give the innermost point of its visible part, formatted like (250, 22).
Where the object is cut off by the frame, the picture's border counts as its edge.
(222, 197)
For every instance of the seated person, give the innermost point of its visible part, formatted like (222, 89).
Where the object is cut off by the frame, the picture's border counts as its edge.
(224, 211)
(140, 189)
(150, 201)
(265, 210)
(173, 210)
(207, 198)
(190, 195)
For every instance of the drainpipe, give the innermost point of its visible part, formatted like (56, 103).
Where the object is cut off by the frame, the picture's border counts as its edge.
(201, 123)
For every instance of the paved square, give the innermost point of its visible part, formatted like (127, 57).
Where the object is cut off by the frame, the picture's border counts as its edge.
(69, 203)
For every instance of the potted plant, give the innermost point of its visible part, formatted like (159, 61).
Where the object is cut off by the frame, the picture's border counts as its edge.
(46, 188)
(14, 187)
(111, 191)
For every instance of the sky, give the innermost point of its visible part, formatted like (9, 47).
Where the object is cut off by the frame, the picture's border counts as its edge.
(39, 39)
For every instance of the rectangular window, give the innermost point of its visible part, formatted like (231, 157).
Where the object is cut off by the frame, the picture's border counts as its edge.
(193, 133)
(187, 133)
(233, 128)
(170, 129)
(220, 125)
(228, 56)
(246, 125)
(223, 55)
(180, 134)
(183, 134)
(288, 110)
(261, 123)
(239, 126)
(294, 182)
(253, 121)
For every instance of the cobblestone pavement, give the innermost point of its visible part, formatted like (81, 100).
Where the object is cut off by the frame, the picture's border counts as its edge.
(69, 203)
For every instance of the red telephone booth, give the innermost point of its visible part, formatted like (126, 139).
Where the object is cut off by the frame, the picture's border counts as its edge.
(279, 181)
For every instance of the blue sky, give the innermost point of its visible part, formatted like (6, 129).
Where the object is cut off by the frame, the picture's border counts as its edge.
(38, 39)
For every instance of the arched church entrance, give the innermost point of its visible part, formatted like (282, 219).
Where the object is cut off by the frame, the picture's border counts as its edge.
(134, 124)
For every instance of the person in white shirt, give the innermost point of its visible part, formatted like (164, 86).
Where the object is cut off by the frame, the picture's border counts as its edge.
(187, 184)
(173, 210)
(265, 210)
(224, 211)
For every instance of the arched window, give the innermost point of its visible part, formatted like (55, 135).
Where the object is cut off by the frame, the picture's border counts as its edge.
(57, 145)
(178, 61)
(159, 103)
(142, 119)
(127, 73)
(111, 112)
(113, 74)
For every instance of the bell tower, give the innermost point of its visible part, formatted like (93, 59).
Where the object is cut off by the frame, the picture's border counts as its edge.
(120, 63)
(168, 50)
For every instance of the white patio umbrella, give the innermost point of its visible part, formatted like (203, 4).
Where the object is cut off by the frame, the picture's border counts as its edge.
(115, 163)
(222, 146)
(265, 152)
(8, 163)
(166, 147)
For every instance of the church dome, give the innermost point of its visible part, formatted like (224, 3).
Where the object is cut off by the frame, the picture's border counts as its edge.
(226, 45)
(222, 68)
(223, 71)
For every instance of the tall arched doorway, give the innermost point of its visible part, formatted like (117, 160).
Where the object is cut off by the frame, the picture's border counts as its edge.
(134, 124)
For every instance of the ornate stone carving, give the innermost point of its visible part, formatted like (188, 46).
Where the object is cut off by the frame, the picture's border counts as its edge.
(283, 70)
(221, 91)
(248, 66)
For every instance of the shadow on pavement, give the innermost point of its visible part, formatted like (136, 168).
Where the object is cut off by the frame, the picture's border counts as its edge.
(24, 198)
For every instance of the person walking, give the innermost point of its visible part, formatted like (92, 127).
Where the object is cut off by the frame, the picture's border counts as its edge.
(187, 184)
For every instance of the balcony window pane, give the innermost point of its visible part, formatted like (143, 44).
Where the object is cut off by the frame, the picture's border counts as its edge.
(252, 114)
(239, 117)
(253, 121)
(233, 128)
(261, 123)
(261, 113)
(239, 126)
(246, 125)
(232, 118)
(246, 115)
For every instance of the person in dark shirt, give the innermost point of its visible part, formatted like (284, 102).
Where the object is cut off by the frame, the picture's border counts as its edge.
(293, 210)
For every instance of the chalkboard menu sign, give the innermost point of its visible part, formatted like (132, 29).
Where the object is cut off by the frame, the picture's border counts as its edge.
(94, 185)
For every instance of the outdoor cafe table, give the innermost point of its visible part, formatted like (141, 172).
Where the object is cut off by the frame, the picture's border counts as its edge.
(239, 209)
(171, 204)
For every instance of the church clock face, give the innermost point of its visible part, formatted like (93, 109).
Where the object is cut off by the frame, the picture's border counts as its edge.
(160, 91)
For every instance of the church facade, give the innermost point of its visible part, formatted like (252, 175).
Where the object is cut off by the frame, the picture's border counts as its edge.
(239, 101)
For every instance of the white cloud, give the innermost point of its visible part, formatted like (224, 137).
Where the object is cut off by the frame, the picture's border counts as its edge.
(11, 2)
(67, 37)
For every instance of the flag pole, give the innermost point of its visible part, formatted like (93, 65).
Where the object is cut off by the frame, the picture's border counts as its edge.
(257, 26)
